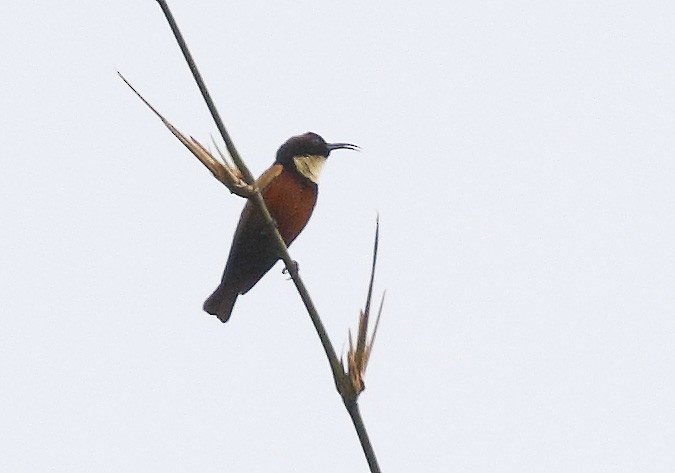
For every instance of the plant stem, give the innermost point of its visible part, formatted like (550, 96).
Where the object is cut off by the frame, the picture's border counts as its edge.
(229, 144)
(257, 198)
(342, 382)
(355, 414)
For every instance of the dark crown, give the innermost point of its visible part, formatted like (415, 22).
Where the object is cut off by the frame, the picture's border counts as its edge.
(309, 144)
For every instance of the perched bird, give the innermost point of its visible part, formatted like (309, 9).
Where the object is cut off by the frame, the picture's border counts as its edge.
(290, 189)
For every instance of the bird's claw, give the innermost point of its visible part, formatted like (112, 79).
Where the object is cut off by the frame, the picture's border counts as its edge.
(286, 270)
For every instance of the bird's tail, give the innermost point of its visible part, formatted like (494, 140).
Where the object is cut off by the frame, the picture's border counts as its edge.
(221, 302)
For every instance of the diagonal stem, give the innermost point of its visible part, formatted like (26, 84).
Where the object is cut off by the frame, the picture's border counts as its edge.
(355, 414)
(342, 381)
(229, 144)
(338, 374)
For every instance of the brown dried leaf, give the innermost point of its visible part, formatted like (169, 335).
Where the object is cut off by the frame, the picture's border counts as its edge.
(225, 172)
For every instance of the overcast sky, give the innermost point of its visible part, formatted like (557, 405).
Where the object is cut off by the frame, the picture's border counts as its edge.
(521, 158)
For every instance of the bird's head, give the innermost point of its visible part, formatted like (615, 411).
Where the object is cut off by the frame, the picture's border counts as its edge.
(307, 153)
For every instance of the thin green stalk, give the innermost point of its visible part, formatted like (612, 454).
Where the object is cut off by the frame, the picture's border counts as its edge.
(355, 414)
(257, 197)
(342, 381)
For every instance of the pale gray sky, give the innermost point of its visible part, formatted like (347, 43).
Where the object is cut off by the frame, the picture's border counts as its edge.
(520, 156)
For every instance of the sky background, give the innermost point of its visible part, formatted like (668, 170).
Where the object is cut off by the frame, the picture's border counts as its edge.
(520, 156)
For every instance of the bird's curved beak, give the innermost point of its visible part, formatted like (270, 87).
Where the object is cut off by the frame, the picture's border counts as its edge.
(333, 146)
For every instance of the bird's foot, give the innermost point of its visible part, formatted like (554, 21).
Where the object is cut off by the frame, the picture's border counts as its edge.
(296, 267)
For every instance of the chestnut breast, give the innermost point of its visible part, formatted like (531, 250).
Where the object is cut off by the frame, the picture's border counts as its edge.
(290, 199)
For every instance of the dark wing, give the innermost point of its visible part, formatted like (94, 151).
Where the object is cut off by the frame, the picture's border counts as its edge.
(252, 253)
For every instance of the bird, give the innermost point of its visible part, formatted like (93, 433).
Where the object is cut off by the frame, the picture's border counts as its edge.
(289, 188)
